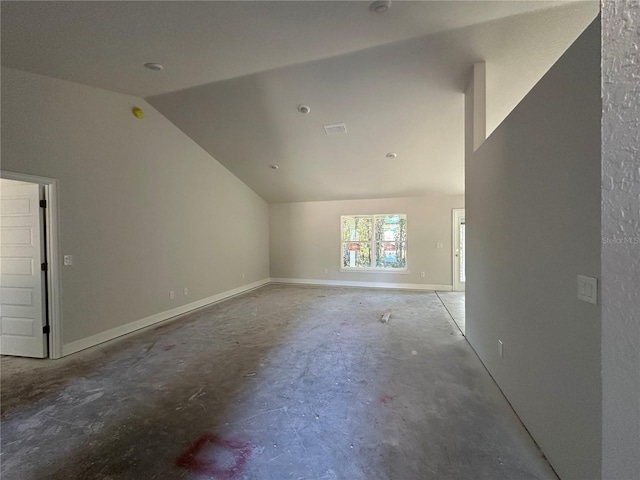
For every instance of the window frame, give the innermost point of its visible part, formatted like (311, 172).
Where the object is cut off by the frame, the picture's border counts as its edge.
(372, 246)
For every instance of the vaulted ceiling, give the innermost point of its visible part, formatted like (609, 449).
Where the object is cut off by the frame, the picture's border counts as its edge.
(235, 72)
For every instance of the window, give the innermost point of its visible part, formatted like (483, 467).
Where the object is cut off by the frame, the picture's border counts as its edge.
(374, 242)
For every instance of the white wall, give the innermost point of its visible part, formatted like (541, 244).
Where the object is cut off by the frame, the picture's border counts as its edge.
(143, 209)
(305, 239)
(621, 240)
(533, 225)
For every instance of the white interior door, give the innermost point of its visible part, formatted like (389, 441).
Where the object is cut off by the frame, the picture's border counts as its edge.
(22, 281)
(459, 263)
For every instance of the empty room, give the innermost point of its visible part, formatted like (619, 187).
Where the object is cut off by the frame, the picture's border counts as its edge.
(320, 240)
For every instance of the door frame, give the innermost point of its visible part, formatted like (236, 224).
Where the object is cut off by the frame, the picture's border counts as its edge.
(52, 247)
(457, 214)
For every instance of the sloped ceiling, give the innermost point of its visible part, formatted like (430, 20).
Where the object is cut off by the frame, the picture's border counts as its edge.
(235, 72)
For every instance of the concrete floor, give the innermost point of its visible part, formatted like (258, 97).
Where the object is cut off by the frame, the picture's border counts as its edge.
(284, 382)
(454, 303)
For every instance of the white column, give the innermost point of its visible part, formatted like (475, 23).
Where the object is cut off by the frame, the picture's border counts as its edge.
(479, 104)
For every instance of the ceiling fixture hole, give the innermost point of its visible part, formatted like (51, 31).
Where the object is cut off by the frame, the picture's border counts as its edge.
(392, 155)
(380, 6)
(274, 167)
(304, 109)
(156, 67)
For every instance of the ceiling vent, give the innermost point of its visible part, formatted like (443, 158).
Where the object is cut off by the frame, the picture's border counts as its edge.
(335, 129)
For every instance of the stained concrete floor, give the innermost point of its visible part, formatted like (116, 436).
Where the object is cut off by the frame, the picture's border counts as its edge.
(284, 382)
(454, 303)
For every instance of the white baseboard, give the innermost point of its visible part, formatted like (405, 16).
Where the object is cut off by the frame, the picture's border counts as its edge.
(107, 335)
(346, 283)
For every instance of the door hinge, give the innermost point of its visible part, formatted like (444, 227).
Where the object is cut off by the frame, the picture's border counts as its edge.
(43, 204)
(46, 329)
(44, 266)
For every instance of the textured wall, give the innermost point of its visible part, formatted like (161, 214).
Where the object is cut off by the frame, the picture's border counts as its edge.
(621, 239)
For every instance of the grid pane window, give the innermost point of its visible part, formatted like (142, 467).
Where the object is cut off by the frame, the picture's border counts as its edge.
(377, 242)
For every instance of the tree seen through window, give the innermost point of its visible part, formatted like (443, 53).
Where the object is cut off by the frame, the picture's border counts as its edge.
(374, 241)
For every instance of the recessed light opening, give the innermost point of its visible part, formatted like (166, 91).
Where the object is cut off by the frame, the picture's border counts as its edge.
(156, 67)
(380, 6)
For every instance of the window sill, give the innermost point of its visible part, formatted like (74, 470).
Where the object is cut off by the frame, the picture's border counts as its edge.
(398, 271)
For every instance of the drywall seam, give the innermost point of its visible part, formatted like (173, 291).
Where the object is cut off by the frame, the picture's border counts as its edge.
(107, 335)
(346, 283)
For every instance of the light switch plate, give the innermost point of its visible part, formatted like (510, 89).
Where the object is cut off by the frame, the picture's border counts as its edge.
(588, 289)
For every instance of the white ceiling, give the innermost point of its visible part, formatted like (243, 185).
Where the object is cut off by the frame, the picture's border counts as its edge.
(105, 44)
(235, 71)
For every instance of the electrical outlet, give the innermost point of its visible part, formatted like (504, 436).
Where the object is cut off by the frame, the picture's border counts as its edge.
(439, 245)
(186, 291)
(422, 274)
(500, 349)
(326, 270)
(588, 289)
(243, 276)
(172, 294)
(68, 259)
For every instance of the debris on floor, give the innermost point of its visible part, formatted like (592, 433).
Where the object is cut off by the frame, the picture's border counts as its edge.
(358, 405)
(385, 317)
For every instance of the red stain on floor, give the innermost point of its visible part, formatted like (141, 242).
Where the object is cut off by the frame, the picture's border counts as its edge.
(386, 400)
(222, 459)
(166, 348)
